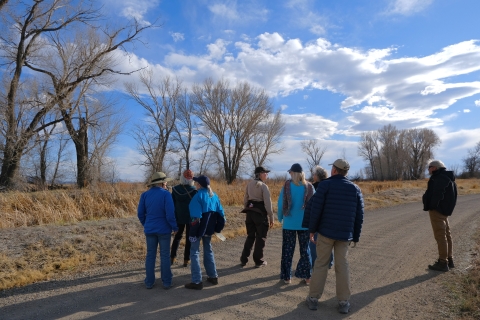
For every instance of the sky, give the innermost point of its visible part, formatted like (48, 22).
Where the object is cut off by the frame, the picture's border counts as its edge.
(334, 68)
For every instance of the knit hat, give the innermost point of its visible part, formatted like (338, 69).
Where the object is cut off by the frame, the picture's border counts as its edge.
(188, 174)
(202, 180)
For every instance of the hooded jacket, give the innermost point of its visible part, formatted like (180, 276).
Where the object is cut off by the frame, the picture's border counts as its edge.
(441, 194)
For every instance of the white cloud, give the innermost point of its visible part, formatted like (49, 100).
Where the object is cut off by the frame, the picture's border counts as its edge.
(408, 7)
(177, 36)
(466, 110)
(477, 103)
(308, 126)
(136, 9)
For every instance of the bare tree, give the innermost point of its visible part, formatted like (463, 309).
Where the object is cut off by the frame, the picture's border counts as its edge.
(471, 162)
(231, 117)
(419, 147)
(183, 130)
(164, 99)
(314, 151)
(268, 139)
(367, 149)
(3, 3)
(37, 41)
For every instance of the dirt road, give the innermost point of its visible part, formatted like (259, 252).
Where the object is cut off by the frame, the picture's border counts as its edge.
(389, 279)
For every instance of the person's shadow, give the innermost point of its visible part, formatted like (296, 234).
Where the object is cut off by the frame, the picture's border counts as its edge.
(328, 308)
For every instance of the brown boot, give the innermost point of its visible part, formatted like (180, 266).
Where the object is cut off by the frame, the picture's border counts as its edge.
(172, 261)
(185, 263)
(440, 265)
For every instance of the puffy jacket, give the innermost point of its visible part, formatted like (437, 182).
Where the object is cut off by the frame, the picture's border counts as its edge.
(206, 213)
(182, 195)
(155, 211)
(441, 194)
(336, 210)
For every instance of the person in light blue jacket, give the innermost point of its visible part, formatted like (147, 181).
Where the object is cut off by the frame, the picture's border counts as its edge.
(291, 204)
(157, 216)
(208, 217)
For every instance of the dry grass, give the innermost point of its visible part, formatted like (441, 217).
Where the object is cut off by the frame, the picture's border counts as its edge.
(51, 233)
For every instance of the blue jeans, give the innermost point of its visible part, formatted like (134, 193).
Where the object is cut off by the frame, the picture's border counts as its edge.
(153, 240)
(208, 259)
(313, 253)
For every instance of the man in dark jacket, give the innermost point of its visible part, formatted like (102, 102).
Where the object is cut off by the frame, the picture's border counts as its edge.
(337, 215)
(440, 200)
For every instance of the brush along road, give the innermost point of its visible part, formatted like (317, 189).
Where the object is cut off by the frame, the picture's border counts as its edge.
(388, 269)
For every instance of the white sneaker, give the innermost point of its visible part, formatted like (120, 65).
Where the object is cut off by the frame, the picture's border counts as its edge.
(343, 306)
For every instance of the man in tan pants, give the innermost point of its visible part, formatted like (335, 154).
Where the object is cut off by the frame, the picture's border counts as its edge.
(440, 200)
(336, 213)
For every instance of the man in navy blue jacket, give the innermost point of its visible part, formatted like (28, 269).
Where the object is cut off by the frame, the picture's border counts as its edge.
(337, 215)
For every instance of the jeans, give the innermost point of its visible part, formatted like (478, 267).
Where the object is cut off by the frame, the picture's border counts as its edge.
(153, 241)
(313, 253)
(208, 259)
(257, 229)
(176, 242)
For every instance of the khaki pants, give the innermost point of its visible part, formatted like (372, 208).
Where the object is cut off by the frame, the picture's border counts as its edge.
(342, 273)
(441, 232)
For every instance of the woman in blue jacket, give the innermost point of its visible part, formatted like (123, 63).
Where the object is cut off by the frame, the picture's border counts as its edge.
(208, 217)
(291, 204)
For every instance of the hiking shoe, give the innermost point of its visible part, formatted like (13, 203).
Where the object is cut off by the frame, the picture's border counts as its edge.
(307, 281)
(260, 265)
(168, 287)
(439, 265)
(243, 264)
(287, 281)
(185, 263)
(450, 263)
(213, 281)
(172, 261)
(195, 286)
(343, 306)
(312, 303)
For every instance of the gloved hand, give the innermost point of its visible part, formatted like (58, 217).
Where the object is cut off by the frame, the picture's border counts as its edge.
(192, 239)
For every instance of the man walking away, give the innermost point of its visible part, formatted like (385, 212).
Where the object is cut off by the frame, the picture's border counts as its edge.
(440, 200)
(337, 215)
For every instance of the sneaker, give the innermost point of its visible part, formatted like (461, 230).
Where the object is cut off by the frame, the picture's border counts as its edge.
(260, 265)
(307, 281)
(149, 287)
(439, 265)
(312, 303)
(213, 281)
(185, 263)
(287, 281)
(343, 306)
(195, 286)
(450, 263)
(168, 287)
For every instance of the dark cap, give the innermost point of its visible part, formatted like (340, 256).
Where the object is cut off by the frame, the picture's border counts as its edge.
(341, 164)
(202, 180)
(296, 167)
(261, 170)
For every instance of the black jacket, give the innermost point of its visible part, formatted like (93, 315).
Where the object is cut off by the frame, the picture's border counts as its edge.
(441, 194)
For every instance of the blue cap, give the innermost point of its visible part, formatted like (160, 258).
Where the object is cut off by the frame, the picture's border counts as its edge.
(202, 180)
(296, 167)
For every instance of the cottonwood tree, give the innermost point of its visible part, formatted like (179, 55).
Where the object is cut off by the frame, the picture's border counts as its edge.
(419, 148)
(183, 130)
(314, 151)
(268, 139)
(368, 149)
(162, 100)
(471, 162)
(231, 117)
(41, 41)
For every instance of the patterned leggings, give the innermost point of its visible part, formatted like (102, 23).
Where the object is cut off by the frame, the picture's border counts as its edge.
(304, 266)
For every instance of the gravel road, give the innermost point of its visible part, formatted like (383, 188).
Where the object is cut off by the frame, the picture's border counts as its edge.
(389, 279)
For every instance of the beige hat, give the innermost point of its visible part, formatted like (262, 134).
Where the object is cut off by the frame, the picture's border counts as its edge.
(158, 177)
(341, 164)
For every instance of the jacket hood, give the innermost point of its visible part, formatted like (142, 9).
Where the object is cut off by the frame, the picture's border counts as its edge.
(444, 171)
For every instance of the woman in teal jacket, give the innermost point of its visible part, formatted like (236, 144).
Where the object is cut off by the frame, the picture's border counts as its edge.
(291, 204)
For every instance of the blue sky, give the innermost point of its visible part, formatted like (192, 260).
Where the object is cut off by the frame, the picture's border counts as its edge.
(335, 68)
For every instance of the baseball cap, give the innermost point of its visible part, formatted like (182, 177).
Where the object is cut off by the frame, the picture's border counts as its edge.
(341, 164)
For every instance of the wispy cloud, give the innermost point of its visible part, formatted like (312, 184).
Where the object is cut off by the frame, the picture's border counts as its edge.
(408, 7)
(177, 36)
(133, 9)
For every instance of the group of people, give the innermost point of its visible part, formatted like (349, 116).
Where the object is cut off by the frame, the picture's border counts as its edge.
(325, 216)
